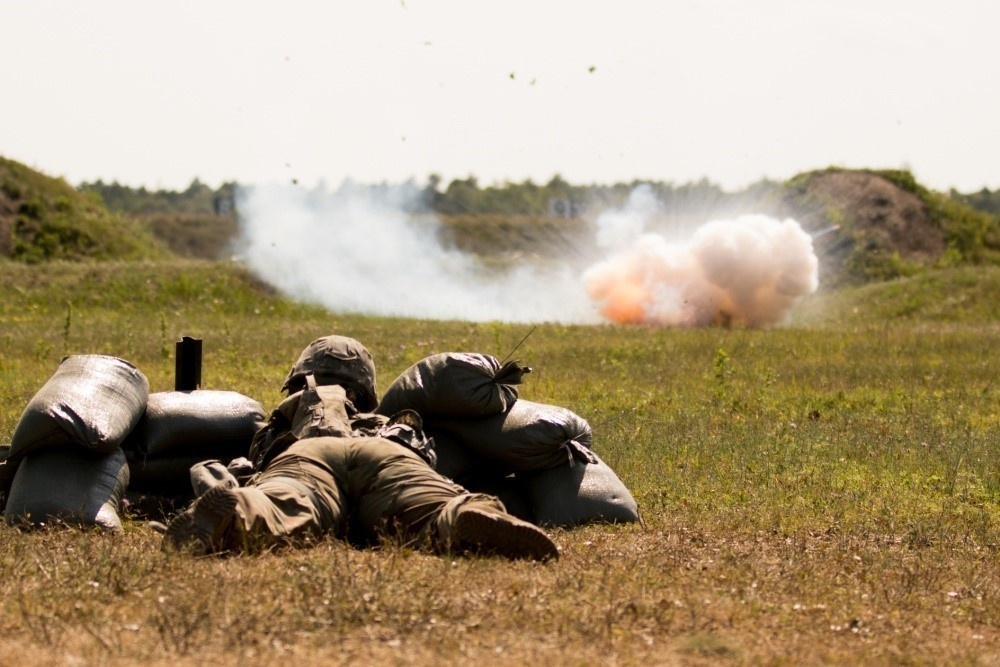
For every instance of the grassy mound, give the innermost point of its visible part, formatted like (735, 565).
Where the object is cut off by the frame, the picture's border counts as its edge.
(967, 295)
(44, 218)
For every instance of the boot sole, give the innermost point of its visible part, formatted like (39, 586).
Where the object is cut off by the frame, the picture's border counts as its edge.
(202, 528)
(507, 536)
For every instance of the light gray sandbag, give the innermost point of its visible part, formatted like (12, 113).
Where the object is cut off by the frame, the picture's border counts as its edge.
(182, 428)
(529, 437)
(92, 402)
(69, 486)
(454, 384)
(575, 494)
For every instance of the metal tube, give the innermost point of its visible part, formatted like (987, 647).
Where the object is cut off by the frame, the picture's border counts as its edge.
(187, 369)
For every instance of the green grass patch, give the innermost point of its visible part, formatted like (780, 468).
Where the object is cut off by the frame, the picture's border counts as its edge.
(826, 491)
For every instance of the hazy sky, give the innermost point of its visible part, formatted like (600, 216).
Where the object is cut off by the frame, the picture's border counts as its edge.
(157, 93)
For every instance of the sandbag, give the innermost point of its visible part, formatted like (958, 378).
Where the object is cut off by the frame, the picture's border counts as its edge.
(168, 476)
(91, 402)
(203, 424)
(529, 437)
(454, 384)
(183, 476)
(575, 494)
(510, 490)
(454, 460)
(182, 428)
(69, 486)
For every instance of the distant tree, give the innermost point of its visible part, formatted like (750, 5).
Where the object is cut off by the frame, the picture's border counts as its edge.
(197, 199)
(984, 200)
(460, 197)
(432, 192)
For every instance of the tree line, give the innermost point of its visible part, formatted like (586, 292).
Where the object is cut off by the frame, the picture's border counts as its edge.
(983, 200)
(466, 196)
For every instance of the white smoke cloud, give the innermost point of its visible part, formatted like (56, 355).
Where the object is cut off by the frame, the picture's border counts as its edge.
(750, 270)
(360, 250)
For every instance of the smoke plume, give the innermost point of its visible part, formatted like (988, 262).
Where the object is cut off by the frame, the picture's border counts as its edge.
(361, 249)
(749, 271)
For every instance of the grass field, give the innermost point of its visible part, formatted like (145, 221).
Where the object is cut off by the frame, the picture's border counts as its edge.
(822, 492)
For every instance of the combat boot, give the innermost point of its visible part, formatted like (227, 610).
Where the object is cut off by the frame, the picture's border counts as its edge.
(207, 526)
(478, 529)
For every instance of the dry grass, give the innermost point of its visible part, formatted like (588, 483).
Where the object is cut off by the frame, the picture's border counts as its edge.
(824, 494)
(669, 593)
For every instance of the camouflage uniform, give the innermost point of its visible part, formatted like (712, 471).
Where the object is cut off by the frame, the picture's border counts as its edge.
(337, 360)
(328, 469)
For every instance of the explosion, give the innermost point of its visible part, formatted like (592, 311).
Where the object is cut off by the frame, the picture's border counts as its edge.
(360, 250)
(748, 271)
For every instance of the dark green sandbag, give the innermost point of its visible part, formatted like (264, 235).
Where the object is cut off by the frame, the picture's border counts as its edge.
(69, 486)
(529, 437)
(570, 495)
(510, 490)
(454, 385)
(455, 461)
(181, 428)
(91, 402)
(168, 476)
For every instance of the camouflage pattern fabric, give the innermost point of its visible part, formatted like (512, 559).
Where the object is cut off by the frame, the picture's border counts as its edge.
(361, 488)
(337, 360)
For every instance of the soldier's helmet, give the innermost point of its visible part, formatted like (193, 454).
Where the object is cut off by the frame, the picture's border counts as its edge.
(337, 360)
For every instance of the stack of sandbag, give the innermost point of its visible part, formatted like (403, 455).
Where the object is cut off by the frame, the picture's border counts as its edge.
(536, 457)
(453, 386)
(182, 428)
(65, 462)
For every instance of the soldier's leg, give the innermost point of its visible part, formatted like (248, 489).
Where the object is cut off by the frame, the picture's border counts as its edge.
(406, 498)
(291, 500)
(206, 474)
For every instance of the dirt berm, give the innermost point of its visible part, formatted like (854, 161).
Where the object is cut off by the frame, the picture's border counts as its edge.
(882, 225)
